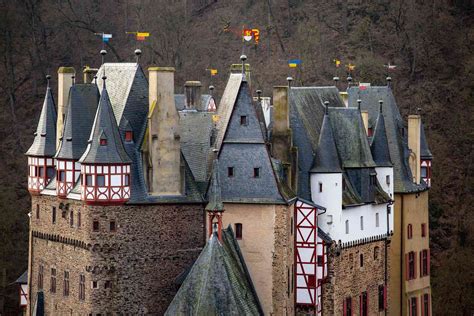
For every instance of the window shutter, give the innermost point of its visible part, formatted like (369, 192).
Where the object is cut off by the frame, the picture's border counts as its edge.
(428, 259)
(344, 307)
(421, 263)
(414, 266)
(407, 272)
(422, 305)
(409, 308)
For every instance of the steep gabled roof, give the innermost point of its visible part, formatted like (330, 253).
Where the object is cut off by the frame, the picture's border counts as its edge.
(326, 159)
(214, 195)
(81, 110)
(379, 144)
(424, 149)
(44, 144)
(218, 283)
(395, 130)
(105, 128)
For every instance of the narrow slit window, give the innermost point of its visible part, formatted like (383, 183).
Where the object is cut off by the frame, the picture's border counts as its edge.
(95, 226)
(54, 215)
(113, 226)
(243, 120)
(230, 172)
(362, 223)
(238, 231)
(347, 226)
(256, 172)
(320, 187)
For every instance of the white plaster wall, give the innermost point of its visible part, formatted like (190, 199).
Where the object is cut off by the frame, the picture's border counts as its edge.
(382, 173)
(368, 211)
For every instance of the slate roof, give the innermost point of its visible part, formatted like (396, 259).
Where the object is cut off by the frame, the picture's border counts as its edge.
(105, 128)
(81, 110)
(326, 159)
(22, 279)
(243, 149)
(214, 195)
(379, 144)
(44, 144)
(218, 283)
(424, 149)
(395, 130)
(180, 102)
(306, 117)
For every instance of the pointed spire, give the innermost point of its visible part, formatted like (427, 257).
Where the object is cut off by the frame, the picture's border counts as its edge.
(215, 199)
(326, 159)
(379, 145)
(44, 144)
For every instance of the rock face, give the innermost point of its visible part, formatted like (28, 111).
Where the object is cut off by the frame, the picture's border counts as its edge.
(129, 256)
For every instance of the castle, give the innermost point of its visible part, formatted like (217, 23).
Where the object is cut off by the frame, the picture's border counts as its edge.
(144, 201)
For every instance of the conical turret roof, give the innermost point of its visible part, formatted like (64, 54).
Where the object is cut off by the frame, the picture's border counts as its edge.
(326, 159)
(214, 195)
(105, 128)
(44, 144)
(425, 150)
(379, 145)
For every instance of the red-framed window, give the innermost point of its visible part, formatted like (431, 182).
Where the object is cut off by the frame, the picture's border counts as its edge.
(128, 136)
(424, 262)
(413, 306)
(423, 230)
(52, 287)
(410, 266)
(103, 142)
(425, 308)
(409, 231)
(347, 306)
(364, 304)
(238, 231)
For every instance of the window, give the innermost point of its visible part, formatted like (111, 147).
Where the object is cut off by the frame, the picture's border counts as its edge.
(88, 180)
(411, 265)
(128, 136)
(100, 180)
(40, 276)
(256, 172)
(424, 262)
(426, 305)
(66, 283)
(364, 306)
(108, 284)
(311, 280)
(54, 215)
(230, 172)
(82, 287)
(376, 252)
(424, 172)
(347, 307)
(52, 287)
(79, 219)
(41, 172)
(238, 230)
(94, 284)
(329, 220)
(103, 142)
(377, 221)
(362, 223)
(71, 219)
(361, 256)
(320, 261)
(95, 226)
(291, 226)
(347, 226)
(112, 226)
(409, 231)
(320, 187)
(62, 175)
(413, 306)
(126, 180)
(382, 297)
(50, 172)
(423, 230)
(373, 179)
(387, 180)
(370, 132)
(243, 120)
(37, 211)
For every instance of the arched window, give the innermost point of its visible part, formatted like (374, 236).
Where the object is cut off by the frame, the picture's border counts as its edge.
(347, 226)
(362, 223)
(377, 221)
(409, 231)
(376, 253)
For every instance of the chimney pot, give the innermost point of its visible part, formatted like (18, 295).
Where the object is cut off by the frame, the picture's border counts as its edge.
(65, 81)
(192, 93)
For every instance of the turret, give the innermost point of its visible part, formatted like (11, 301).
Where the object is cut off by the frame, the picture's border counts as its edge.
(40, 155)
(105, 165)
(215, 207)
(426, 157)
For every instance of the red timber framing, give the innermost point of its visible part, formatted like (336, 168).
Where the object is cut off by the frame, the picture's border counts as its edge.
(23, 295)
(40, 173)
(427, 176)
(310, 258)
(105, 184)
(67, 173)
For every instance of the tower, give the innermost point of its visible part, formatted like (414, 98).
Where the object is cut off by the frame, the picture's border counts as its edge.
(215, 207)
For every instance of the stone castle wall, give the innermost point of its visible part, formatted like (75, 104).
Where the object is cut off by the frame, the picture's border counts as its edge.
(139, 261)
(347, 278)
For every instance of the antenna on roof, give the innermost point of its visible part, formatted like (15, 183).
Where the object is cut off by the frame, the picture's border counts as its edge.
(138, 52)
(359, 101)
(289, 79)
(380, 105)
(48, 78)
(326, 107)
(243, 58)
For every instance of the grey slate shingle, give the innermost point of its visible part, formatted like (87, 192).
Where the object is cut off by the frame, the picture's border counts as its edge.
(424, 149)
(326, 159)
(379, 144)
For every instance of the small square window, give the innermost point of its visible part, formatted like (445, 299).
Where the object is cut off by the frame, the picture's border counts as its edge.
(89, 180)
(243, 120)
(113, 226)
(103, 142)
(100, 180)
(256, 172)
(128, 136)
(108, 284)
(95, 284)
(230, 172)
(95, 226)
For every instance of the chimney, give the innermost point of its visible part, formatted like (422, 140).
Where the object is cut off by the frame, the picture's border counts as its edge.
(281, 121)
(192, 93)
(414, 128)
(237, 69)
(65, 81)
(89, 73)
(164, 138)
(365, 119)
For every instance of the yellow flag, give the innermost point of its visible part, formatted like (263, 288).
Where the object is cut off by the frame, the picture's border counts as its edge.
(213, 72)
(143, 34)
(215, 118)
(337, 62)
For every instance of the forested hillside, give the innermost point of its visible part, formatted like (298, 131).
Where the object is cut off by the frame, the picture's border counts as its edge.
(430, 41)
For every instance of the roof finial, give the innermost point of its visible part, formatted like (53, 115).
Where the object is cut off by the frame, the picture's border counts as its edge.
(359, 101)
(211, 90)
(349, 81)
(48, 78)
(103, 52)
(380, 105)
(389, 81)
(104, 77)
(326, 107)
(243, 58)
(73, 80)
(335, 79)
(289, 79)
(259, 94)
(138, 52)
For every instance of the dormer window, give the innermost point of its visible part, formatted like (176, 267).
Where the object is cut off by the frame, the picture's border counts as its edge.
(103, 142)
(256, 172)
(128, 136)
(243, 120)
